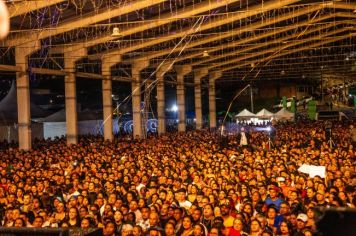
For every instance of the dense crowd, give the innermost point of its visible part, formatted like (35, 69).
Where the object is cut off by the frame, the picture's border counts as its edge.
(181, 184)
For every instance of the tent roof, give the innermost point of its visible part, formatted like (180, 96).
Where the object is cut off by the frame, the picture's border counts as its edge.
(284, 114)
(245, 113)
(8, 106)
(264, 113)
(60, 116)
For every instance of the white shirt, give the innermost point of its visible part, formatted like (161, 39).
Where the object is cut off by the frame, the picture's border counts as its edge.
(243, 140)
(186, 204)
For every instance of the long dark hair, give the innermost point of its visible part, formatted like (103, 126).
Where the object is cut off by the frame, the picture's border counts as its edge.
(289, 225)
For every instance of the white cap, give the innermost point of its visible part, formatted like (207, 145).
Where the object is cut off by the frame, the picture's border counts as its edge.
(303, 217)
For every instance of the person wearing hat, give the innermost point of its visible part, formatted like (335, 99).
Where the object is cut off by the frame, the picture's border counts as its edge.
(302, 220)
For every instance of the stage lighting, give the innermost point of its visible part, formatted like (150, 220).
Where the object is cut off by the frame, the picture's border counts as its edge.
(174, 108)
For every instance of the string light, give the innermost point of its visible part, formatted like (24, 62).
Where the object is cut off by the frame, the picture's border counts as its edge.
(51, 17)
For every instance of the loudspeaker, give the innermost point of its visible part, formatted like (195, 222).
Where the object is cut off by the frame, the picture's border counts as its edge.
(23, 231)
(338, 221)
(85, 232)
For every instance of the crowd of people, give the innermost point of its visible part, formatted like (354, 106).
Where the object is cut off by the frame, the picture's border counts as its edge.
(181, 183)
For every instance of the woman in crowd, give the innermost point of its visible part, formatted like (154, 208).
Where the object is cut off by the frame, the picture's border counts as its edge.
(238, 228)
(286, 228)
(187, 227)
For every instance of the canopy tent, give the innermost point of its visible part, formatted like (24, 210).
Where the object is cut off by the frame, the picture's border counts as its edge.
(264, 114)
(245, 114)
(8, 107)
(89, 122)
(9, 117)
(284, 114)
(60, 116)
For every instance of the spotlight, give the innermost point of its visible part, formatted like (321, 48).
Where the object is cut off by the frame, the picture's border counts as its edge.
(269, 128)
(174, 108)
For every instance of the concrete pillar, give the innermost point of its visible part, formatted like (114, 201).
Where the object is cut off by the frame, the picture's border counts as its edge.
(212, 98)
(107, 108)
(71, 108)
(23, 94)
(181, 72)
(71, 96)
(198, 75)
(107, 63)
(137, 67)
(161, 104)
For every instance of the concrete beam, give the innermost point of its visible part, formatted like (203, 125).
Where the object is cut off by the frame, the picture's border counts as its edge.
(232, 33)
(182, 70)
(45, 71)
(139, 65)
(277, 49)
(277, 42)
(107, 63)
(71, 57)
(164, 68)
(264, 35)
(313, 45)
(200, 73)
(342, 5)
(214, 75)
(22, 7)
(254, 10)
(10, 68)
(83, 21)
(160, 20)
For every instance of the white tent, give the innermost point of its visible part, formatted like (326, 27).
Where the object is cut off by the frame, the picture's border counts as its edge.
(284, 114)
(55, 125)
(264, 114)
(245, 114)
